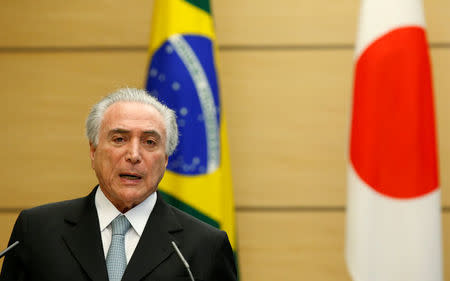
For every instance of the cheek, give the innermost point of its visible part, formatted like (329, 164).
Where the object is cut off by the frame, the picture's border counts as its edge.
(159, 164)
(104, 162)
(162, 162)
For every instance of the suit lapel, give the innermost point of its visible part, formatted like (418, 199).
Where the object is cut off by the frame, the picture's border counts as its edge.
(82, 236)
(155, 244)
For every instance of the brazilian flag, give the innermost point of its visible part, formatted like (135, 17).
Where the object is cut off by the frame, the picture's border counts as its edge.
(182, 74)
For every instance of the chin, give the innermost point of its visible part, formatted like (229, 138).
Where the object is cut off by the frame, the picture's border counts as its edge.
(133, 195)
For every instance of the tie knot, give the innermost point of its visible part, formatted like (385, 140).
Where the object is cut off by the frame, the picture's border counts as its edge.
(120, 225)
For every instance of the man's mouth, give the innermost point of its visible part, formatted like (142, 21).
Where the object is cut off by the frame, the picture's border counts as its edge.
(130, 176)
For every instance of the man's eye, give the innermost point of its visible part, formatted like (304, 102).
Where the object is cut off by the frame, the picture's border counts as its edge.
(118, 140)
(150, 142)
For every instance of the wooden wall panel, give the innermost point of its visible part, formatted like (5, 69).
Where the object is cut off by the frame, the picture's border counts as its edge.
(7, 220)
(300, 245)
(48, 23)
(286, 22)
(446, 244)
(436, 17)
(46, 98)
(288, 127)
(288, 116)
(441, 69)
(293, 22)
(292, 246)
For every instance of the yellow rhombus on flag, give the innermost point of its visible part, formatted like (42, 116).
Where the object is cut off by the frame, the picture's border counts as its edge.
(182, 74)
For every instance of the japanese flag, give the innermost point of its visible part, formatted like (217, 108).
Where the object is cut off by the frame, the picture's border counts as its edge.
(393, 205)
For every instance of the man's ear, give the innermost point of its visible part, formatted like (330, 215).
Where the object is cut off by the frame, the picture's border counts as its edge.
(92, 149)
(167, 160)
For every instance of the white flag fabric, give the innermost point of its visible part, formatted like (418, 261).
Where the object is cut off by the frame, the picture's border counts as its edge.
(393, 205)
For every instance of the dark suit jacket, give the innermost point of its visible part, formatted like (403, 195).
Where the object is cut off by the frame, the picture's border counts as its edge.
(62, 242)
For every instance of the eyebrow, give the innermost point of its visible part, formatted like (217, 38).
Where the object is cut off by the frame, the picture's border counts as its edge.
(123, 131)
(118, 130)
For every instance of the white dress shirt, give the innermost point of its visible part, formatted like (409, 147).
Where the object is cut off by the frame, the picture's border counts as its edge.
(137, 216)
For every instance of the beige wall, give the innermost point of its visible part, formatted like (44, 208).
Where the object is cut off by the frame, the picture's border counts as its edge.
(286, 79)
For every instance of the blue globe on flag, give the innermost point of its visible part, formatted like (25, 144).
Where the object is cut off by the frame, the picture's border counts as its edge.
(182, 75)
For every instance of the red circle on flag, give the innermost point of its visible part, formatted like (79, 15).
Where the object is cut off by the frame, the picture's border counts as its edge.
(393, 139)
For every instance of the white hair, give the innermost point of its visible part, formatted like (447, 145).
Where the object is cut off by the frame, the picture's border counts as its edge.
(95, 117)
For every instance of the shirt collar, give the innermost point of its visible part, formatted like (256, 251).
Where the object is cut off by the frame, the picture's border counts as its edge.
(137, 216)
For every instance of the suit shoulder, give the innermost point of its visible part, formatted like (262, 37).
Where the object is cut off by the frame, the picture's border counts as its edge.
(190, 222)
(56, 208)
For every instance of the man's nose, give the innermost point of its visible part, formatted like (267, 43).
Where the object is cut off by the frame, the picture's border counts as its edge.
(134, 153)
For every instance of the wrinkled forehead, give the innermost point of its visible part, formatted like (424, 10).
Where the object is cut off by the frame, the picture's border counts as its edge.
(133, 115)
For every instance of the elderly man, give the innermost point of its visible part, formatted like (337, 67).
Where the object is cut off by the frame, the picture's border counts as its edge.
(122, 230)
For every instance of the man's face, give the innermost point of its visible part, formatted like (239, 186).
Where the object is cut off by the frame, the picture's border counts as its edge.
(130, 158)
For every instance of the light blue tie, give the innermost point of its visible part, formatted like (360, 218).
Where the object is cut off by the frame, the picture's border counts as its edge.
(116, 261)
